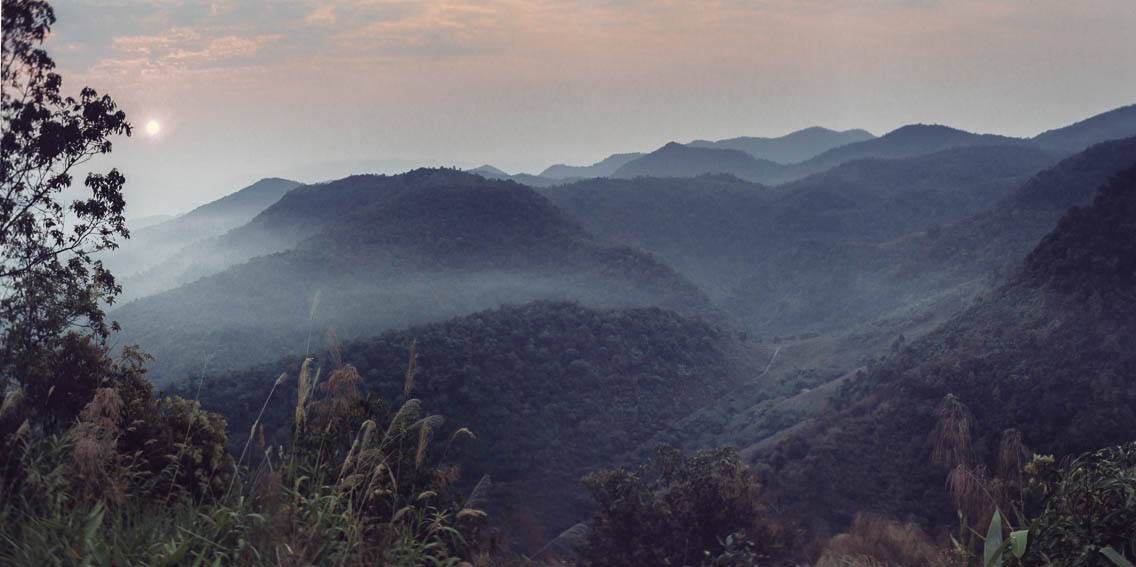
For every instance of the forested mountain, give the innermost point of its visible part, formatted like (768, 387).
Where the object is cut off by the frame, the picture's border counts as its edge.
(489, 172)
(603, 168)
(387, 252)
(821, 284)
(907, 141)
(550, 390)
(677, 160)
(790, 148)
(825, 349)
(706, 227)
(721, 232)
(1048, 353)
(1111, 125)
(154, 243)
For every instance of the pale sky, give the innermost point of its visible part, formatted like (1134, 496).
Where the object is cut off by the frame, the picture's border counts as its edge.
(244, 89)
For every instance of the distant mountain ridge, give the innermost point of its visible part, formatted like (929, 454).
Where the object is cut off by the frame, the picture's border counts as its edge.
(791, 148)
(677, 160)
(151, 245)
(1111, 125)
(906, 141)
(805, 285)
(745, 243)
(603, 168)
(387, 252)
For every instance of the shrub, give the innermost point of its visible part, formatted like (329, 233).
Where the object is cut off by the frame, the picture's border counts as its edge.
(1092, 506)
(682, 510)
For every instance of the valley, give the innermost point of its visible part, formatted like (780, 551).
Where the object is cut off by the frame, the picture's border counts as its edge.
(791, 310)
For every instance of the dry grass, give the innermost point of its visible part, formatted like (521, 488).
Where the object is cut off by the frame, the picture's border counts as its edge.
(954, 444)
(1012, 454)
(874, 541)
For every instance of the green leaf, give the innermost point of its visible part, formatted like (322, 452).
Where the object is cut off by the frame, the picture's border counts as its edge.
(991, 552)
(1019, 539)
(1115, 557)
(91, 525)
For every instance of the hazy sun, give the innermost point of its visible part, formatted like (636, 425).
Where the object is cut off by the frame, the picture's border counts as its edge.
(152, 127)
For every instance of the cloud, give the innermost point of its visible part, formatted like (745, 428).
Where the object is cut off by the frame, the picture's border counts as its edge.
(322, 15)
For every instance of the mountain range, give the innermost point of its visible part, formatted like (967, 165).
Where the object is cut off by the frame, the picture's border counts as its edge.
(1048, 353)
(790, 148)
(387, 252)
(815, 320)
(152, 244)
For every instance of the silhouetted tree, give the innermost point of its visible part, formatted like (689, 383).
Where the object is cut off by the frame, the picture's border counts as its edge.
(49, 281)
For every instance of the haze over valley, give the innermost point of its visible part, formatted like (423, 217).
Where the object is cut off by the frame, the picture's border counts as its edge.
(591, 310)
(787, 289)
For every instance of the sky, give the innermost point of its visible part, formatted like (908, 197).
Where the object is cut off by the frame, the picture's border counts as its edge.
(314, 89)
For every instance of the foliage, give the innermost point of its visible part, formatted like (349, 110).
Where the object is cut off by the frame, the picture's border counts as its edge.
(549, 388)
(48, 278)
(875, 541)
(1091, 507)
(1048, 353)
(676, 509)
(353, 489)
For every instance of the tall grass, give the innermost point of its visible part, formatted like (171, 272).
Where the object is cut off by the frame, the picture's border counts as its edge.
(354, 488)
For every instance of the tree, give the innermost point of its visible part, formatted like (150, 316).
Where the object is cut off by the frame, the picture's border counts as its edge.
(699, 510)
(49, 281)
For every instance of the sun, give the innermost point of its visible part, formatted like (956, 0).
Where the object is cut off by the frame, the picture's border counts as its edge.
(153, 127)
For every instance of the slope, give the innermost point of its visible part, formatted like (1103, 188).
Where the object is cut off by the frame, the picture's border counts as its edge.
(386, 252)
(906, 141)
(677, 160)
(1112, 125)
(721, 231)
(791, 148)
(704, 227)
(603, 168)
(550, 390)
(824, 284)
(150, 245)
(1050, 353)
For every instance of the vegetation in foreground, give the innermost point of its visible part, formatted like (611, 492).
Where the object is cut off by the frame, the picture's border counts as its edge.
(135, 482)
(96, 469)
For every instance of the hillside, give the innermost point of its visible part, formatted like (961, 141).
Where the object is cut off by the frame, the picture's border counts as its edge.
(795, 156)
(388, 252)
(603, 168)
(704, 226)
(153, 243)
(790, 148)
(906, 141)
(1112, 125)
(550, 390)
(676, 160)
(1049, 353)
(722, 232)
(822, 285)
(138, 223)
(489, 172)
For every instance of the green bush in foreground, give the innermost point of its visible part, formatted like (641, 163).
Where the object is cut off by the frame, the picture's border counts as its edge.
(699, 510)
(1090, 512)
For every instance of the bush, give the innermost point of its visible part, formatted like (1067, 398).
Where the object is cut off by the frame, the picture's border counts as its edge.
(704, 509)
(1092, 505)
